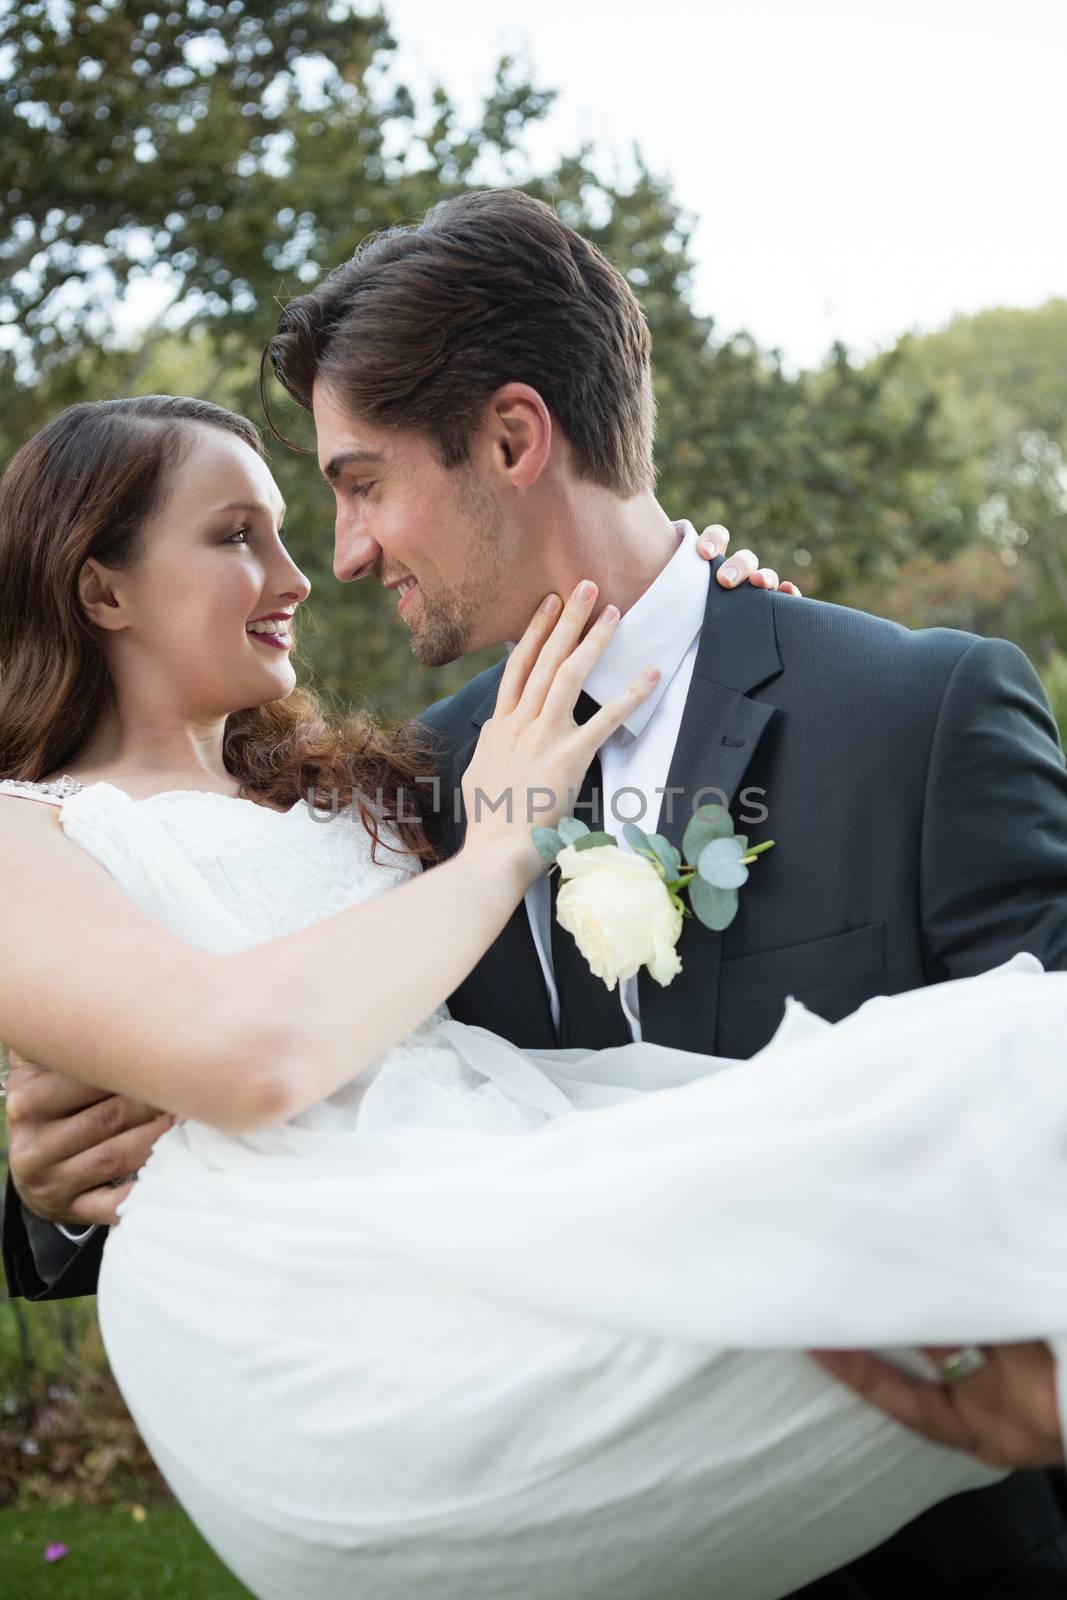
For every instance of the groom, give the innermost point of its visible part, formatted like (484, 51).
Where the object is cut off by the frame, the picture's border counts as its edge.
(483, 405)
(482, 396)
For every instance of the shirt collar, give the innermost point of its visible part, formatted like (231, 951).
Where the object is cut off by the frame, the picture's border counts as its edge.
(657, 631)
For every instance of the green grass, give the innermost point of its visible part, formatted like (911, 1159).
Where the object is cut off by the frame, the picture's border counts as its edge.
(112, 1557)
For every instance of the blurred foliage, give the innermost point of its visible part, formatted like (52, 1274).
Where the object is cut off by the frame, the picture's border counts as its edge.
(1001, 382)
(238, 151)
(1055, 680)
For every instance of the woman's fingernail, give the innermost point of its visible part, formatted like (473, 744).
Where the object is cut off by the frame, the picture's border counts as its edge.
(550, 604)
(651, 675)
(729, 573)
(610, 613)
(585, 590)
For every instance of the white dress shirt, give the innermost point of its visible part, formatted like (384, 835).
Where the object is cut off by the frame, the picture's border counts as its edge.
(661, 630)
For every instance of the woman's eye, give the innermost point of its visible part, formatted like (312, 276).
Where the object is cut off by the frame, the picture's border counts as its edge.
(362, 488)
(238, 533)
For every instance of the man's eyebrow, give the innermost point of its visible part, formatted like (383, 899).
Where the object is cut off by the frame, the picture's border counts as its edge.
(351, 458)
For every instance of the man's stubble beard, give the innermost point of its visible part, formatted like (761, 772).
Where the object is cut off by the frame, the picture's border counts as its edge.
(448, 623)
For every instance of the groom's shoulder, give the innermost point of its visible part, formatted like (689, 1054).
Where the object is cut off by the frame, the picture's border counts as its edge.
(866, 667)
(873, 651)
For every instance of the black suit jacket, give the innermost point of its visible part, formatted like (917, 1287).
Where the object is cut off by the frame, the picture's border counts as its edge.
(915, 788)
(916, 791)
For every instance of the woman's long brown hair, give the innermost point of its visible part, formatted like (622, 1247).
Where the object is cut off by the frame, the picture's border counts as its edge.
(83, 487)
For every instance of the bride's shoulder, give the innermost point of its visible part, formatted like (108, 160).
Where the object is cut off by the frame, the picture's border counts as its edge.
(29, 831)
(50, 792)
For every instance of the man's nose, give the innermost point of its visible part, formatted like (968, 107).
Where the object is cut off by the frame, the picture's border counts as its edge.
(355, 554)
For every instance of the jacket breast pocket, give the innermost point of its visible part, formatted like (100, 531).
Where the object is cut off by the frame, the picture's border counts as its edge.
(832, 976)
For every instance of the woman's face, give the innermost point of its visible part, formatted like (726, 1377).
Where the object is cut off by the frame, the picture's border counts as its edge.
(212, 562)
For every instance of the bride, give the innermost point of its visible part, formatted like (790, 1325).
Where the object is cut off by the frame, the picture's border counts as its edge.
(397, 1307)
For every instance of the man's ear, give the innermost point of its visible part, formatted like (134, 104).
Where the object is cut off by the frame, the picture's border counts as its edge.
(518, 426)
(99, 601)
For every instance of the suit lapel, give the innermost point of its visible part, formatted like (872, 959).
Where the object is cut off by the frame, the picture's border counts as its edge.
(720, 731)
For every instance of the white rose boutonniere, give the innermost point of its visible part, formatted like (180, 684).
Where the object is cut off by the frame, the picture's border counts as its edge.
(615, 905)
(625, 908)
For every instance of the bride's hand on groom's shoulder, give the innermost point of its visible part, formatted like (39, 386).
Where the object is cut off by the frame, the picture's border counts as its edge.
(532, 753)
(69, 1144)
(1005, 1413)
(743, 566)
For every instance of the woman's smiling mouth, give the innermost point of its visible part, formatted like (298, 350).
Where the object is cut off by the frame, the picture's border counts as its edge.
(271, 631)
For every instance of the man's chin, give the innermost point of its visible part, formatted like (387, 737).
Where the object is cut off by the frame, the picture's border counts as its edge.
(433, 658)
(437, 648)
(439, 636)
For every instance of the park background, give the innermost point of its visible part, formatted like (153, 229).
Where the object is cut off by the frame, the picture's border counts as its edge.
(844, 224)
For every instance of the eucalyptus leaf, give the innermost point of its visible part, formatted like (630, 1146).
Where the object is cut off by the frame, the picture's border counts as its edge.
(548, 843)
(706, 823)
(716, 908)
(571, 828)
(636, 838)
(723, 850)
(587, 840)
(669, 858)
(720, 864)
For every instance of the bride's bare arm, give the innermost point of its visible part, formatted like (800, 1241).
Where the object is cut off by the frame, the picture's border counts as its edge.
(97, 990)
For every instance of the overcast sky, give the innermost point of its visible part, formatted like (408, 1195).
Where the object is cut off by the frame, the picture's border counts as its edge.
(857, 168)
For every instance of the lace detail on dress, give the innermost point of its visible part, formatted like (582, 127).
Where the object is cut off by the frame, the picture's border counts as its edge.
(274, 871)
(58, 788)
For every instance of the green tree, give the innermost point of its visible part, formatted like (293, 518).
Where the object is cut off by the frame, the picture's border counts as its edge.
(1000, 378)
(1003, 378)
(238, 151)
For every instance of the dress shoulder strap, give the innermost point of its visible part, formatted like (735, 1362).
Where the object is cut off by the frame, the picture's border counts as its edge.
(52, 793)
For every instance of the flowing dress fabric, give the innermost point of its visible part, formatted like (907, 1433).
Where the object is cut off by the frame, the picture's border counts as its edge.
(496, 1323)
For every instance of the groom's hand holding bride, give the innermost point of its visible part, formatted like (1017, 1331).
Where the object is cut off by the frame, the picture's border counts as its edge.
(1005, 1412)
(70, 1145)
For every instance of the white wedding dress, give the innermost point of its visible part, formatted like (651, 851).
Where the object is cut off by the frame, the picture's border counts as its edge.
(497, 1325)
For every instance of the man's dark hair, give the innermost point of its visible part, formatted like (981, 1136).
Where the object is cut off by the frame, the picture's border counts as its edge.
(426, 322)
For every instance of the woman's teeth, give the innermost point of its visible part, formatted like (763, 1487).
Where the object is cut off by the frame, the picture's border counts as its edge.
(276, 632)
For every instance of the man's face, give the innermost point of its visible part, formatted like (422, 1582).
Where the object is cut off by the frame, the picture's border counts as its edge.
(406, 520)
